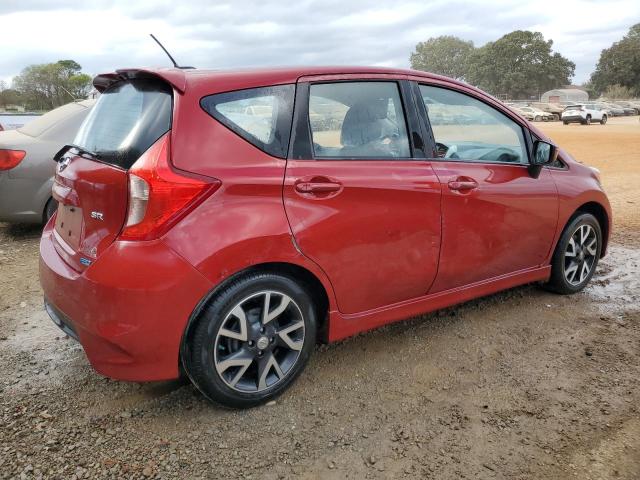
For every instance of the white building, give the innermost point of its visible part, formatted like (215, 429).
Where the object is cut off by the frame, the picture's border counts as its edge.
(564, 95)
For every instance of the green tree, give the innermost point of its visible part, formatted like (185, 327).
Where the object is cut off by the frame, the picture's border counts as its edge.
(10, 96)
(521, 64)
(620, 64)
(445, 55)
(50, 85)
(617, 92)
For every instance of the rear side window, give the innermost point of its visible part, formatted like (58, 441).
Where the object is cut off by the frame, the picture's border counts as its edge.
(262, 116)
(127, 119)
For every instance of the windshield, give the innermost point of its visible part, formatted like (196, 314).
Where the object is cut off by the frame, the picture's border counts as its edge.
(127, 119)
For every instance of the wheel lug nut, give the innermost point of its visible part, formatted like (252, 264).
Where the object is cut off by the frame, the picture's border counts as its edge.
(273, 339)
(261, 329)
(251, 343)
(260, 352)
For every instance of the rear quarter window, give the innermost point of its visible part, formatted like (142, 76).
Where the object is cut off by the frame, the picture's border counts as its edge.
(262, 116)
(127, 119)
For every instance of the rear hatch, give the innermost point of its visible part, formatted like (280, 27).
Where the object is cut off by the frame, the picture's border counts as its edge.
(92, 179)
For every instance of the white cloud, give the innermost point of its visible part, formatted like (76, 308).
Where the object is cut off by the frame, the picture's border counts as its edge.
(108, 34)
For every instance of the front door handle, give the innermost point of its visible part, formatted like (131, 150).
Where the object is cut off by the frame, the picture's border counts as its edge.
(463, 183)
(317, 187)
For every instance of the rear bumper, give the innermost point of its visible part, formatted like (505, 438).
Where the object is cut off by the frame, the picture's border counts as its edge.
(128, 309)
(573, 118)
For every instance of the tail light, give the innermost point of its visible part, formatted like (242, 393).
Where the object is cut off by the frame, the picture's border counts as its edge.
(159, 196)
(10, 158)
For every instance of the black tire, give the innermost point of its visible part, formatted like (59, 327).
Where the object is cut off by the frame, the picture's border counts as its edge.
(201, 365)
(559, 282)
(604, 120)
(588, 120)
(537, 118)
(565, 122)
(49, 209)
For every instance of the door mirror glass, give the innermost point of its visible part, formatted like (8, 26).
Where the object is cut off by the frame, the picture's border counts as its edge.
(543, 153)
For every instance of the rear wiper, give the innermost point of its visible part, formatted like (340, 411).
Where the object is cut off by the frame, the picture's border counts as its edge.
(81, 151)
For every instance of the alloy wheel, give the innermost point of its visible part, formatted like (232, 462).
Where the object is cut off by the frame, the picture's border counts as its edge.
(580, 255)
(259, 341)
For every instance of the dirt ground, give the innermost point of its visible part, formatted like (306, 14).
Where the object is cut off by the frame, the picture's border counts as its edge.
(520, 385)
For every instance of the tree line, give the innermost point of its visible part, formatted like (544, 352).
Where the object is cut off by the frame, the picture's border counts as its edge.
(46, 86)
(522, 64)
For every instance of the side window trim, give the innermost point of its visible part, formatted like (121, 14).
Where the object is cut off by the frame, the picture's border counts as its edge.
(526, 133)
(300, 143)
(425, 125)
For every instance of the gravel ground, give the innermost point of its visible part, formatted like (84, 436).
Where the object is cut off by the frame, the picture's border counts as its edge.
(524, 384)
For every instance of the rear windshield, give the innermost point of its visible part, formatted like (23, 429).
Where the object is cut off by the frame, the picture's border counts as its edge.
(127, 119)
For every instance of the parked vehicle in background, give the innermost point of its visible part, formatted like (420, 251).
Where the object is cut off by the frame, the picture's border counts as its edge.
(584, 114)
(613, 110)
(1, 128)
(536, 114)
(26, 162)
(628, 111)
(552, 108)
(193, 238)
(518, 109)
(628, 105)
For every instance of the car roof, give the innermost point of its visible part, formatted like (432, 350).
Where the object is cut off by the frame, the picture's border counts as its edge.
(181, 78)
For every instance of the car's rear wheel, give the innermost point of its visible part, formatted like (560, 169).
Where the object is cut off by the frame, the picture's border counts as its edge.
(565, 122)
(49, 209)
(604, 120)
(252, 340)
(576, 255)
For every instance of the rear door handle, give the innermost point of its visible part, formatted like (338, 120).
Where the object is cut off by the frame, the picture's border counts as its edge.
(463, 184)
(317, 187)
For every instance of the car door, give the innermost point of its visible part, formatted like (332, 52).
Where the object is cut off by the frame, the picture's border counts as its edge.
(497, 218)
(362, 201)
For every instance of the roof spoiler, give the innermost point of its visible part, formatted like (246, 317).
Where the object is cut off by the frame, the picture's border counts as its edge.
(174, 77)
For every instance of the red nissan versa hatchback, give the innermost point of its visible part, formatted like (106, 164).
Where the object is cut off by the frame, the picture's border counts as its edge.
(221, 223)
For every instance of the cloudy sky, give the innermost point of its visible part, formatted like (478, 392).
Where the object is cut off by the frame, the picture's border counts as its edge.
(103, 35)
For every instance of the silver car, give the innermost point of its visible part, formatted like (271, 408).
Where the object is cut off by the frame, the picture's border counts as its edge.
(27, 166)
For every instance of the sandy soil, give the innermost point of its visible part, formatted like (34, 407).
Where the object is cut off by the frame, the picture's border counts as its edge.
(520, 385)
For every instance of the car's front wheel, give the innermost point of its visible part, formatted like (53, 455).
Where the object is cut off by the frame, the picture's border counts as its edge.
(576, 256)
(252, 340)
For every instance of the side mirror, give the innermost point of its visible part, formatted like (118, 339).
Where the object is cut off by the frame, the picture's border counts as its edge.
(543, 153)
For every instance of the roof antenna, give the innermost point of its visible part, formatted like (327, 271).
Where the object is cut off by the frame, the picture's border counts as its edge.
(168, 54)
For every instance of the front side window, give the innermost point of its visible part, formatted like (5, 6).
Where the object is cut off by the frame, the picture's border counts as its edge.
(262, 116)
(467, 129)
(358, 120)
